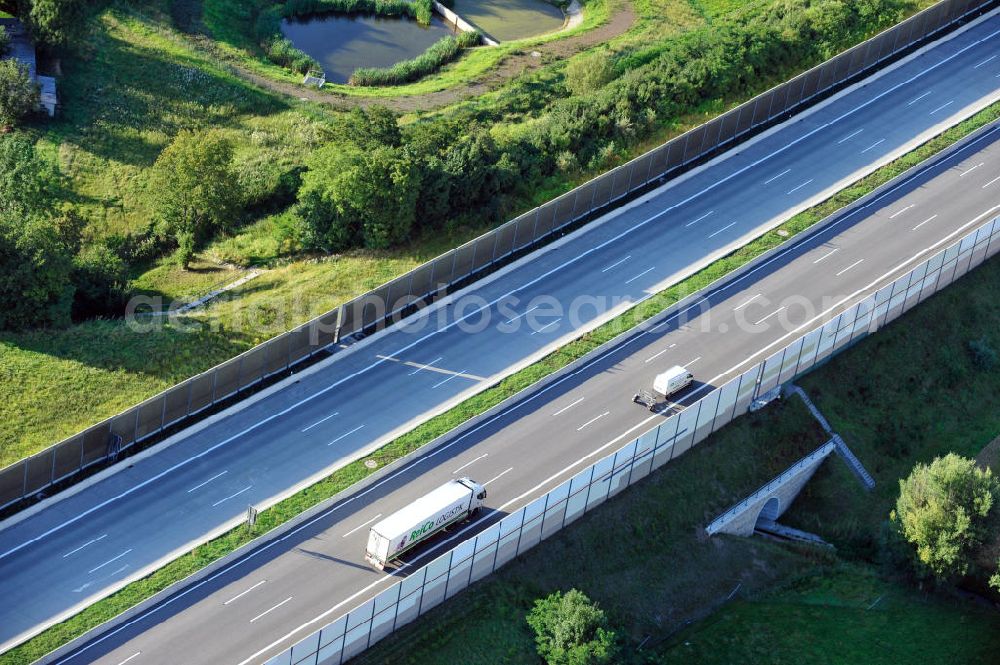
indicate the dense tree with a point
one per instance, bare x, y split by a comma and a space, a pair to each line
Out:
54, 22
27, 182
18, 92
195, 187
571, 630
351, 197
944, 512
36, 247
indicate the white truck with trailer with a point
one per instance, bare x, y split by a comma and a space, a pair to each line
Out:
453, 502
665, 384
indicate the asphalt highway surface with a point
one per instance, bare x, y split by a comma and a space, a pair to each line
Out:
81, 548
264, 603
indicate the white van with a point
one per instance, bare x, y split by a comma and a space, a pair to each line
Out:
674, 379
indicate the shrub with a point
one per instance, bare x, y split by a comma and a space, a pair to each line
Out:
4, 41
196, 187
589, 73
353, 197
101, 280
571, 630
18, 92
984, 356
436, 56
943, 511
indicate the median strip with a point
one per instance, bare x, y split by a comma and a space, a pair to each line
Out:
190, 563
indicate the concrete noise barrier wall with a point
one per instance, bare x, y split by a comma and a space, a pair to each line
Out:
482, 554
390, 302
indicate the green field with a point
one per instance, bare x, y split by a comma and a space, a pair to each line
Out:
906, 394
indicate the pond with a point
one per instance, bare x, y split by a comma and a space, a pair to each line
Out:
506, 20
341, 43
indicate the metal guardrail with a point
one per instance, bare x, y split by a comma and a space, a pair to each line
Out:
427, 282
482, 554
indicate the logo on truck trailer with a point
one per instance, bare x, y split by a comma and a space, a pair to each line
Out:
421, 531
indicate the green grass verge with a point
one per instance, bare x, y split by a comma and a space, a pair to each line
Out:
342, 479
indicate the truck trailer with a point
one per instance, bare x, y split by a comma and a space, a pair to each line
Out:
453, 502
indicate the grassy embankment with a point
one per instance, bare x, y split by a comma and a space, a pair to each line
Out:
282, 512
909, 393
59, 382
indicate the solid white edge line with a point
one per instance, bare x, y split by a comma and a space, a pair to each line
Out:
650, 219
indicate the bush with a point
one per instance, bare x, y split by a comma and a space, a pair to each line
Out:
984, 356
434, 58
589, 73
353, 197
101, 280
944, 512
18, 92
196, 187
571, 630
4, 41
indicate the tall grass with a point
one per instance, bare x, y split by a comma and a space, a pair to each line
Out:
439, 54
418, 9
